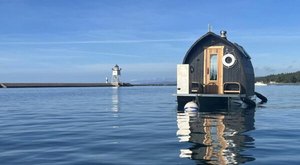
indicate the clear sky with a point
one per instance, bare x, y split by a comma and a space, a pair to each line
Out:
81, 40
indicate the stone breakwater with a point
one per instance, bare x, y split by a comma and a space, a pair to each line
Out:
49, 85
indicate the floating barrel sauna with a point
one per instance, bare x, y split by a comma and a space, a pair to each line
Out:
216, 72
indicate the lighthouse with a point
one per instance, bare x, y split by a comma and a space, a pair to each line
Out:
116, 73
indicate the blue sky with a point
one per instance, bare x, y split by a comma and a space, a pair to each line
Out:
81, 40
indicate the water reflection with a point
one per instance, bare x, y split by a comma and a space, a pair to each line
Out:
115, 108
216, 137
115, 100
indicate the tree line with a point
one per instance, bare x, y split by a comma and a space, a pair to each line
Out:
293, 77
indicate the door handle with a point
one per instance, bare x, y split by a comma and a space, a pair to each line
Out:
207, 71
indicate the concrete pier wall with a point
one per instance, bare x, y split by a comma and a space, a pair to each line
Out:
48, 85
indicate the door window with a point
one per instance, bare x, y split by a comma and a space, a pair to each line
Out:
213, 67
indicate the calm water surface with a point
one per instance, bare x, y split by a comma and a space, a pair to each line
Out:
141, 125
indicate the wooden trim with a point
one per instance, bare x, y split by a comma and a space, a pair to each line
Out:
220, 68
214, 47
237, 92
204, 66
219, 81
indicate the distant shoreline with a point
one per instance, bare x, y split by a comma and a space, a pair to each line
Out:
283, 83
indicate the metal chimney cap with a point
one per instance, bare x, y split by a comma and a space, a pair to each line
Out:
223, 33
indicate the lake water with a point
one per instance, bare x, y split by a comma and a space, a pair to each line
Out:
141, 125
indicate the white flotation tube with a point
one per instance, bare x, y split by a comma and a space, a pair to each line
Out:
191, 107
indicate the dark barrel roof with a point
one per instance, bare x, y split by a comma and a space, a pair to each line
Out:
234, 45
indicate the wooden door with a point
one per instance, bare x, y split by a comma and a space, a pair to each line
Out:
213, 70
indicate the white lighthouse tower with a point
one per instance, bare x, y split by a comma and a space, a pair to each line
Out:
116, 73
